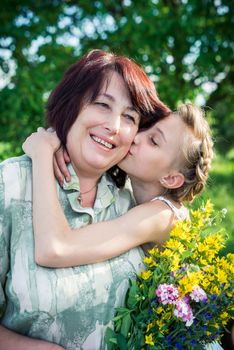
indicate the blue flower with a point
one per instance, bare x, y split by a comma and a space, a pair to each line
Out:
209, 316
168, 339
214, 306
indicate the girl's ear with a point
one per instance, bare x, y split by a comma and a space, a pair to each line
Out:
171, 181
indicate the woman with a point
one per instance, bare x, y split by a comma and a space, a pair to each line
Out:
172, 159
69, 308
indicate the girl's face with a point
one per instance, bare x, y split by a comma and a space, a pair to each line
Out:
104, 129
155, 153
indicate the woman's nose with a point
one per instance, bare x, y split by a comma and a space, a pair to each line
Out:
113, 124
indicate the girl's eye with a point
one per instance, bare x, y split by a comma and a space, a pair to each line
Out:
154, 142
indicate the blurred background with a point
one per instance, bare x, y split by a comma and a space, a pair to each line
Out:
185, 46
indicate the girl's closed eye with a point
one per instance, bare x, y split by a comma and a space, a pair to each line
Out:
154, 141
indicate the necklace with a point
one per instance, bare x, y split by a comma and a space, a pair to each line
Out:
79, 198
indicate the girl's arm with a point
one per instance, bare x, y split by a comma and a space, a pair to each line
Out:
11, 340
57, 245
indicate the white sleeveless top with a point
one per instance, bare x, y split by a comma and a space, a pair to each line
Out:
181, 213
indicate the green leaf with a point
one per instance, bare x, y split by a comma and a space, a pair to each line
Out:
110, 339
121, 341
126, 323
187, 254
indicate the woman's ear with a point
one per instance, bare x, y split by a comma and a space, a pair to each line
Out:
171, 181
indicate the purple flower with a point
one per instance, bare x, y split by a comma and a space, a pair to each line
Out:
167, 293
184, 311
198, 294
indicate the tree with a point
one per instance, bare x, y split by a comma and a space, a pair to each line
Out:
184, 45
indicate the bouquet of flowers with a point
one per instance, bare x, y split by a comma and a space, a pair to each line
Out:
184, 297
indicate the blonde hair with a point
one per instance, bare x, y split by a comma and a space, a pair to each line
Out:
197, 151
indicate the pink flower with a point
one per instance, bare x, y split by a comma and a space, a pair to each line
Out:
167, 294
184, 311
198, 294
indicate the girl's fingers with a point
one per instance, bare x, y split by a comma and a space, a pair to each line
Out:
57, 173
66, 156
40, 128
61, 163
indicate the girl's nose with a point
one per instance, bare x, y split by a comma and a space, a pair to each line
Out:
137, 139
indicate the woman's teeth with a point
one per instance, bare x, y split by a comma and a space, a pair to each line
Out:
102, 142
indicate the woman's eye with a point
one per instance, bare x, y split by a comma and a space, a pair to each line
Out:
102, 104
130, 117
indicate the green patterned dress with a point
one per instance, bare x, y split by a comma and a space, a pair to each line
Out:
69, 306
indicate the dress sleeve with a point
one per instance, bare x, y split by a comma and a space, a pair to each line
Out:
213, 346
4, 242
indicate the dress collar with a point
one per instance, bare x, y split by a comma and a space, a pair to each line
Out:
105, 192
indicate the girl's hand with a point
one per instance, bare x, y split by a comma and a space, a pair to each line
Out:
41, 142
60, 161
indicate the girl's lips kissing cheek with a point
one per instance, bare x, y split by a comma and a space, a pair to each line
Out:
104, 143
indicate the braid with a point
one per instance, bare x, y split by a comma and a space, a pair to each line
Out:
197, 151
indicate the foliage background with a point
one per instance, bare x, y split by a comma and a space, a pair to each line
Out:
186, 46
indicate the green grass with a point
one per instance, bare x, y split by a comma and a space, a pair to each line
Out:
220, 190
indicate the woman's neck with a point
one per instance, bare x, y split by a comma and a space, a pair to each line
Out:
144, 192
88, 187
88, 191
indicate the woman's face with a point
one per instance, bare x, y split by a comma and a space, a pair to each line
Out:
104, 129
156, 151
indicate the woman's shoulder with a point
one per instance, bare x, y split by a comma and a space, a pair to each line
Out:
15, 177
16, 162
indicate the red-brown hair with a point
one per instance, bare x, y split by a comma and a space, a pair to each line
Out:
83, 81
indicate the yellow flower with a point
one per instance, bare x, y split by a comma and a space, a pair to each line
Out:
154, 252
159, 310
175, 245
222, 276
210, 269
150, 261
160, 323
181, 230
203, 261
175, 263
214, 290
224, 315
190, 280
167, 253
214, 242
205, 283
149, 326
149, 339
146, 274
209, 208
